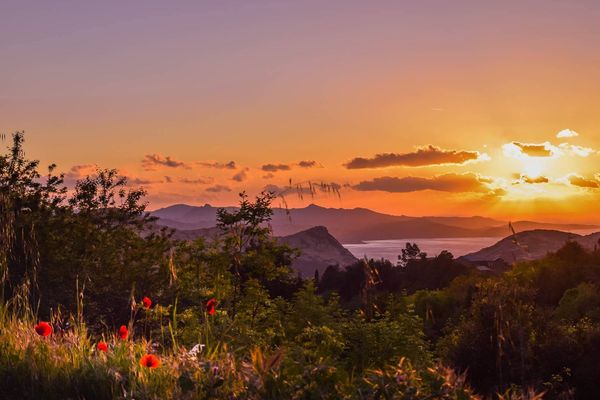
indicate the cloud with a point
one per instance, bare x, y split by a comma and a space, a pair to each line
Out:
268, 176
575, 150
140, 181
275, 167
423, 156
80, 171
531, 180
168, 179
218, 189
151, 161
218, 165
565, 133
580, 181
520, 150
455, 183
197, 181
241, 176
523, 151
308, 164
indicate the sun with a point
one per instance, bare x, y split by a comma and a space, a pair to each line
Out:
533, 167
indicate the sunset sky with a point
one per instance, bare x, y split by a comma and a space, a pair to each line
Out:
417, 108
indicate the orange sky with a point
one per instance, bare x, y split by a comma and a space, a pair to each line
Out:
483, 90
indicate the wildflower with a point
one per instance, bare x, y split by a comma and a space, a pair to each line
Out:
215, 370
43, 329
147, 302
149, 361
102, 346
210, 306
123, 332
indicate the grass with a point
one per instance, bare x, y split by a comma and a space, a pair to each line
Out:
68, 365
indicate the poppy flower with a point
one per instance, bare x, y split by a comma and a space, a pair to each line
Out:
123, 332
149, 361
102, 346
43, 329
147, 302
210, 306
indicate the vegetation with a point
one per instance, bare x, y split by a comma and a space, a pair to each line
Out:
98, 302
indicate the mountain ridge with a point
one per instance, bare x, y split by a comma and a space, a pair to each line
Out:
359, 224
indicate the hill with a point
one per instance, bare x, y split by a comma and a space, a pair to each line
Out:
319, 249
530, 245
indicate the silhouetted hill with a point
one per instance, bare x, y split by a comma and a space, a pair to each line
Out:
359, 224
319, 251
530, 245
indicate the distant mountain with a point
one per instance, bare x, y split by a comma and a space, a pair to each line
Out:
358, 224
530, 245
318, 248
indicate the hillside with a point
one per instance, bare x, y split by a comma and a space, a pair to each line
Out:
319, 249
531, 245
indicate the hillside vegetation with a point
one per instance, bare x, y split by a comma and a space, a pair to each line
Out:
97, 303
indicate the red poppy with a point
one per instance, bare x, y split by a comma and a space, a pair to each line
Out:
43, 329
102, 346
123, 332
149, 361
210, 306
147, 302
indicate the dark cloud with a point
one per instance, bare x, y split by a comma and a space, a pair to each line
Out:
429, 155
197, 181
268, 176
218, 189
240, 176
275, 167
446, 183
152, 161
218, 165
580, 181
308, 164
535, 150
532, 180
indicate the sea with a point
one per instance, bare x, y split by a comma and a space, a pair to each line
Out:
390, 249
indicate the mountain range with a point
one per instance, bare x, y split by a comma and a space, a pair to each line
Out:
358, 224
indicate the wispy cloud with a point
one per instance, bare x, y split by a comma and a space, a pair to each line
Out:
197, 181
218, 165
424, 156
218, 189
151, 162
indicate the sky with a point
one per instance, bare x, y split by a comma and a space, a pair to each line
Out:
415, 108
